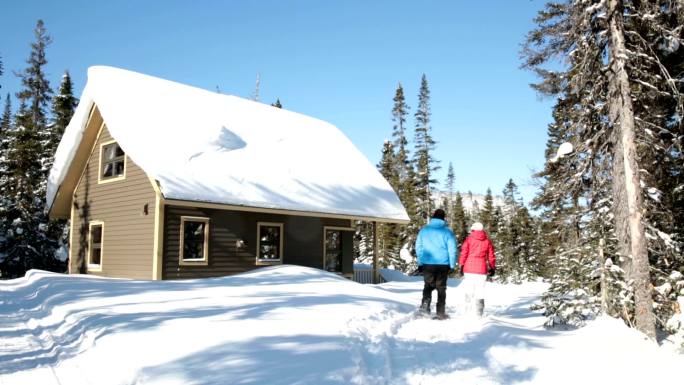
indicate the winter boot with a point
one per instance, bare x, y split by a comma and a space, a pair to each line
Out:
480, 307
468, 307
425, 306
441, 313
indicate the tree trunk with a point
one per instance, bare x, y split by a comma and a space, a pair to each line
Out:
629, 185
604, 279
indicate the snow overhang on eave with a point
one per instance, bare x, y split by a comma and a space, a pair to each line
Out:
270, 210
60, 205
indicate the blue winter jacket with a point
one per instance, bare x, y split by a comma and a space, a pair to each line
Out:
436, 244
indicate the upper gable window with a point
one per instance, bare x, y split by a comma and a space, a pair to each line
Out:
112, 162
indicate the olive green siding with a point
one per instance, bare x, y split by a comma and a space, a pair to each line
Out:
128, 237
302, 241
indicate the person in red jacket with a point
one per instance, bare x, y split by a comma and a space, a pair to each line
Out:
477, 261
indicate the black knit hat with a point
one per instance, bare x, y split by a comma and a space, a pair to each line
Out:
439, 214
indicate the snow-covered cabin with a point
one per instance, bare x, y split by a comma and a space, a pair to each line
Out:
162, 181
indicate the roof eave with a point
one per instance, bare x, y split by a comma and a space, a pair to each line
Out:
270, 210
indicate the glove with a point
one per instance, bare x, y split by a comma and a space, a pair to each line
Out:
491, 272
420, 268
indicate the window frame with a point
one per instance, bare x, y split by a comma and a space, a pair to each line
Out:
100, 178
281, 257
194, 261
91, 266
325, 241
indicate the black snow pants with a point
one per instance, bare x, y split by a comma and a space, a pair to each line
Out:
435, 277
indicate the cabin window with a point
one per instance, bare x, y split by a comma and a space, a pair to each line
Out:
194, 241
112, 162
269, 243
95, 242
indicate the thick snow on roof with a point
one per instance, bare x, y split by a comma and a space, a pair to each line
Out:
209, 147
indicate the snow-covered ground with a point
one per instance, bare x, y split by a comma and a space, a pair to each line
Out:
295, 325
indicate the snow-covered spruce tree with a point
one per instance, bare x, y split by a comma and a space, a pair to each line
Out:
569, 250
487, 213
620, 58
363, 242
405, 171
474, 211
424, 145
28, 243
513, 237
5, 126
63, 107
388, 233
653, 36
460, 222
448, 200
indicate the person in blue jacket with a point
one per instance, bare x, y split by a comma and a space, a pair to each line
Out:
436, 248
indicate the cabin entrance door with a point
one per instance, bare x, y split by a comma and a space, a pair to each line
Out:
338, 250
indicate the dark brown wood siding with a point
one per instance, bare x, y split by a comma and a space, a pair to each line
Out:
302, 241
128, 235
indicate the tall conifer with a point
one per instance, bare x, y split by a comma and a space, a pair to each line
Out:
621, 107
425, 163
28, 243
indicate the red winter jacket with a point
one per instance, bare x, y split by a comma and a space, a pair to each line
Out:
476, 253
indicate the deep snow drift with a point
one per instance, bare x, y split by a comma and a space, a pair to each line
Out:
295, 325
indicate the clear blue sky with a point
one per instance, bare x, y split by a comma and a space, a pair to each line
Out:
339, 61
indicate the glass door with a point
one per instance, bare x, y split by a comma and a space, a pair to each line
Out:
333, 251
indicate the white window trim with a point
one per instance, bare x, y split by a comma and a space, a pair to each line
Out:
260, 261
194, 261
99, 169
325, 239
91, 266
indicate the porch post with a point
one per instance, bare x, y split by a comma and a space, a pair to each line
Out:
376, 279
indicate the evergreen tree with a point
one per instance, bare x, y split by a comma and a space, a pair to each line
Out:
6, 118
363, 242
399, 112
514, 232
63, 107
2, 69
487, 213
405, 171
387, 165
5, 136
474, 208
425, 164
28, 243
622, 106
460, 219
388, 233
448, 202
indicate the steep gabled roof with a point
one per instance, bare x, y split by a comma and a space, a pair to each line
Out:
208, 147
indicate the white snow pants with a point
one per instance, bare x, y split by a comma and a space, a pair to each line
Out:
474, 285
473, 289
